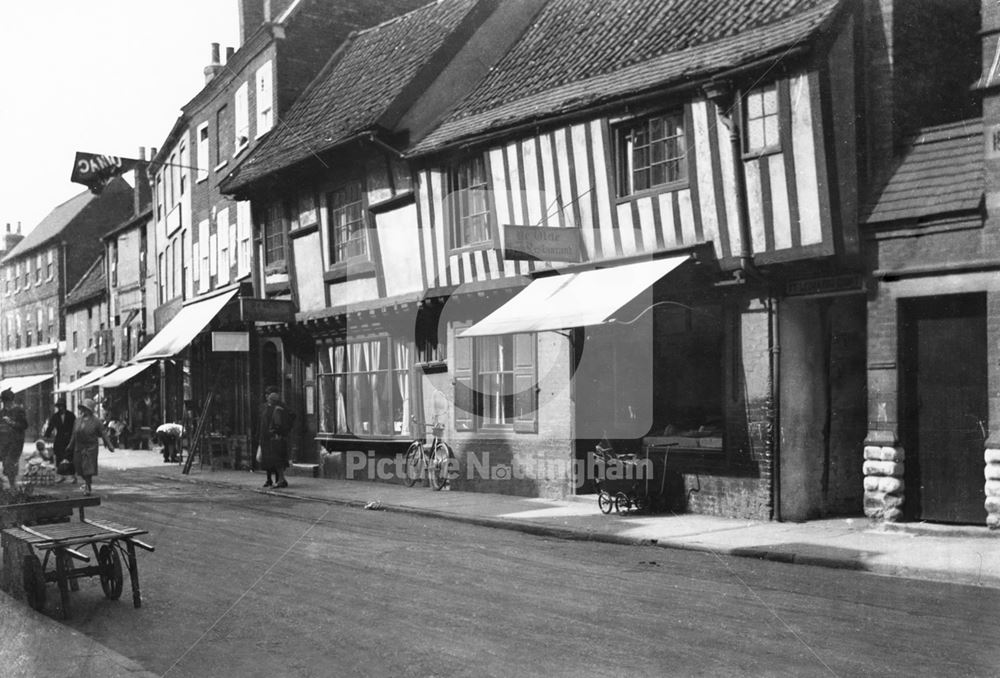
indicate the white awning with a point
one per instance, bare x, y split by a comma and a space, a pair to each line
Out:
123, 374
184, 327
18, 384
574, 299
87, 379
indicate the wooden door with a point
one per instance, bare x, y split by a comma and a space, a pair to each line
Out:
945, 421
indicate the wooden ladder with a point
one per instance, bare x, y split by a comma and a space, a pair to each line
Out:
196, 438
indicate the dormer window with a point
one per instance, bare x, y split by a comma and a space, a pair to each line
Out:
652, 153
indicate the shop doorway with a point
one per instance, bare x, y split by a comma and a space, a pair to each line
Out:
944, 406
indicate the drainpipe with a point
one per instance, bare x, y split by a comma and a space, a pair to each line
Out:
723, 95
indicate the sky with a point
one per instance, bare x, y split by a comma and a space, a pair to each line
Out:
103, 76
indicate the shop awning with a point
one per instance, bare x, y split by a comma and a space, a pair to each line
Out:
184, 327
123, 374
87, 379
574, 299
18, 384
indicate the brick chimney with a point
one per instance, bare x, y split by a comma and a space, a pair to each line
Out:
142, 194
214, 67
229, 54
11, 237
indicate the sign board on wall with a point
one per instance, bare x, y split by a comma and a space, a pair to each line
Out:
542, 243
231, 341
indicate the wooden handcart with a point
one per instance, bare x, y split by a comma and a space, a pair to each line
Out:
63, 543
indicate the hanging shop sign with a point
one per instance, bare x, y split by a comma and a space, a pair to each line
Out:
231, 341
95, 171
850, 283
542, 243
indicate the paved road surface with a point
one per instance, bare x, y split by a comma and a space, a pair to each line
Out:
253, 585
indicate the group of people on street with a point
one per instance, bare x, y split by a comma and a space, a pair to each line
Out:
76, 439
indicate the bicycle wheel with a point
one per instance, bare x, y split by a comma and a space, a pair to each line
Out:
413, 463
440, 466
605, 502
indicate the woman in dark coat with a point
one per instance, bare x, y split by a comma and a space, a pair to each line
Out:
274, 439
88, 432
60, 425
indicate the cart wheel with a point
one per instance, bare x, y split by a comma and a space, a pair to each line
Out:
622, 502
34, 581
110, 564
413, 462
605, 502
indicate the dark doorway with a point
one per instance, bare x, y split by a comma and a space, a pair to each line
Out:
944, 408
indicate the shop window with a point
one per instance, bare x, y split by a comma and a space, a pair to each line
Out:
347, 223
470, 222
651, 153
689, 375
495, 383
365, 388
760, 120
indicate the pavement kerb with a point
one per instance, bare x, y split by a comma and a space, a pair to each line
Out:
571, 534
29, 650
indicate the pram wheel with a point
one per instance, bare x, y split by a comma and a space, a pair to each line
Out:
605, 502
622, 502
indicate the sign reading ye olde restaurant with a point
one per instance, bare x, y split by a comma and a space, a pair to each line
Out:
539, 243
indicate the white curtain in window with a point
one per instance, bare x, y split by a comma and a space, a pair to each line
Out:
374, 362
341, 387
356, 355
402, 356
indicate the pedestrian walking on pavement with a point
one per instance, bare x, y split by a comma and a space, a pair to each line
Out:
59, 427
273, 427
13, 424
88, 432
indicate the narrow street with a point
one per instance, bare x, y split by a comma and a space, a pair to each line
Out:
255, 585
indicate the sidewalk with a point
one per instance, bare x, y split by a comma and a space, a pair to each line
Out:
33, 645
953, 554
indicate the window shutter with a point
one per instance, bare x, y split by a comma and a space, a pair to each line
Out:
462, 371
525, 384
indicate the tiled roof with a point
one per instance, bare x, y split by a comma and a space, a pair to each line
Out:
940, 171
59, 218
355, 89
91, 285
579, 53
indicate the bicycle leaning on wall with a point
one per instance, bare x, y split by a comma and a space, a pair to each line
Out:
428, 456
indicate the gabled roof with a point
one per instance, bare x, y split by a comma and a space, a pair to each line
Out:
90, 286
941, 170
53, 225
356, 89
580, 53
